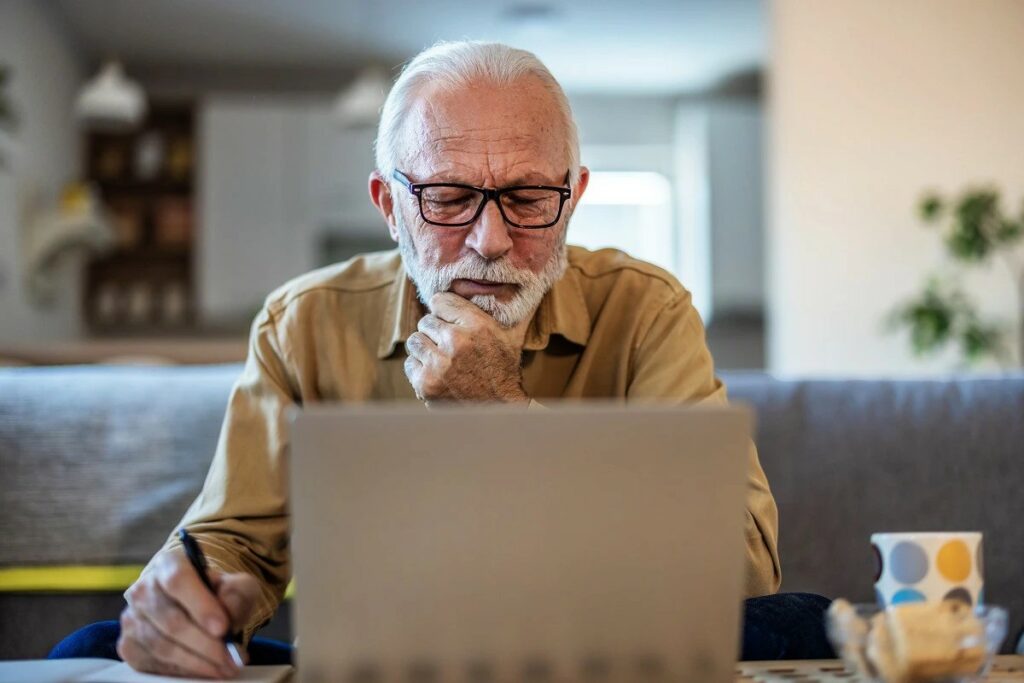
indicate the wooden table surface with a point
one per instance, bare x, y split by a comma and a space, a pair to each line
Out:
1006, 668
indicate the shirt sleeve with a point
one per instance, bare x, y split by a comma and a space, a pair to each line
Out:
240, 516
672, 361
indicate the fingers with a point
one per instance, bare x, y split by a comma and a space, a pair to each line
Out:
454, 309
181, 583
422, 348
239, 593
437, 330
171, 620
424, 369
413, 369
147, 601
145, 648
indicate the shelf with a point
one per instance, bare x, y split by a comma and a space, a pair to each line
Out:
135, 188
146, 286
147, 255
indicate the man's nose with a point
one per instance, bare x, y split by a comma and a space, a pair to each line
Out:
489, 236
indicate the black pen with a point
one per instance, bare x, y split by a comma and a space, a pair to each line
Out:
198, 559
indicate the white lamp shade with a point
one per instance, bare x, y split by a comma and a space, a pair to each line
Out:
110, 100
359, 104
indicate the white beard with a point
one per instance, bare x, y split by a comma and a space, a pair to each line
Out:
532, 287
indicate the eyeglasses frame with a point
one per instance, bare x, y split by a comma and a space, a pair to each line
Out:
489, 194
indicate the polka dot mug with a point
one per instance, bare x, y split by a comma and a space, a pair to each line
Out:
928, 567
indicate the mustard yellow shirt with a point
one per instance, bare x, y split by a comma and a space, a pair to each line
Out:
612, 327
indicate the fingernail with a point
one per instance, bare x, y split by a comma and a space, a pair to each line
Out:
215, 626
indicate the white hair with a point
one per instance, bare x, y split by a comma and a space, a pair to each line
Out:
458, 64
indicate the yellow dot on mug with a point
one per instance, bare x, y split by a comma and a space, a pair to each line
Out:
954, 561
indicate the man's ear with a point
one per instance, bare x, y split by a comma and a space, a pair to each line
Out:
581, 186
380, 195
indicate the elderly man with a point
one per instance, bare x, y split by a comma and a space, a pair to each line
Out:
477, 177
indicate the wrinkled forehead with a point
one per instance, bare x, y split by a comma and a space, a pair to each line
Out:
483, 131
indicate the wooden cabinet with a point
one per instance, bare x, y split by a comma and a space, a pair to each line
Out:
146, 180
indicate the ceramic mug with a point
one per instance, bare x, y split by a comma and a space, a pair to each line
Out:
928, 567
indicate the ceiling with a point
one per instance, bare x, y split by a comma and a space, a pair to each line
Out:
648, 46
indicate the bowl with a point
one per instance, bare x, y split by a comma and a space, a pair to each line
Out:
949, 641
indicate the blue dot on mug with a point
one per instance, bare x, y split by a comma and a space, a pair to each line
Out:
907, 595
908, 562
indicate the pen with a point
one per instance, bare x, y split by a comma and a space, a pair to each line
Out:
198, 560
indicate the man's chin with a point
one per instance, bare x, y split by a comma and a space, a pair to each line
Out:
500, 311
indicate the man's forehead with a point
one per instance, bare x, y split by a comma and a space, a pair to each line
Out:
475, 115
523, 166
457, 131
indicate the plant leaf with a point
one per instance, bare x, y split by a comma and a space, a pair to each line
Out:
930, 208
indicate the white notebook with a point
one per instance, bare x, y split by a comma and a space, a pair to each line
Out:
109, 671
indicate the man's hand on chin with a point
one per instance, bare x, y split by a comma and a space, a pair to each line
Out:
460, 353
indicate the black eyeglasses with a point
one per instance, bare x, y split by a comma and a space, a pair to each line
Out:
455, 205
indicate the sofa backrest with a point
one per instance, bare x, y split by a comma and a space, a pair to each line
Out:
848, 458
100, 463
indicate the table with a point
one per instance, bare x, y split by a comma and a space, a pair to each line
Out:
1006, 668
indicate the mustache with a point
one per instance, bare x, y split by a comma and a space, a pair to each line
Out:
475, 268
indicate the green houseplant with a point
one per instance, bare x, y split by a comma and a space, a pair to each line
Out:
975, 230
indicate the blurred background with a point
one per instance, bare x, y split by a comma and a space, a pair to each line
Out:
840, 184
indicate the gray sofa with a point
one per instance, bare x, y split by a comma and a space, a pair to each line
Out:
98, 464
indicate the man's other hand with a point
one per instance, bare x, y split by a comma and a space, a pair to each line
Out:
460, 353
174, 625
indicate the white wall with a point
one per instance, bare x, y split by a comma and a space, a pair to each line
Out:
622, 120
42, 156
871, 103
711, 150
736, 182
718, 161
276, 175
691, 159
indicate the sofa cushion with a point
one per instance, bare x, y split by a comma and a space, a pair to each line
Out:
99, 463
847, 458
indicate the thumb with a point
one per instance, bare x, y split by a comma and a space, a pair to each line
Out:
239, 593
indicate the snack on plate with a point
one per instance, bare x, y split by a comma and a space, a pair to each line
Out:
853, 633
881, 654
933, 640
911, 643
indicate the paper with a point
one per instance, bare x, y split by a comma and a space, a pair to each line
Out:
50, 671
108, 671
122, 673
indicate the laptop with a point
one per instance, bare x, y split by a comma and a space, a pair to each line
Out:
586, 542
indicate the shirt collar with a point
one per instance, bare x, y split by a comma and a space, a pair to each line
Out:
562, 311
401, 313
